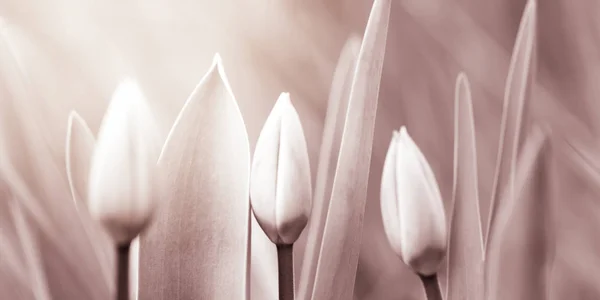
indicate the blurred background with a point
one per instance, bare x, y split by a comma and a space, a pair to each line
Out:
74, 52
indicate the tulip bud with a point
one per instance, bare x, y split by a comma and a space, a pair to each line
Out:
123, 184
411, 206
280, 185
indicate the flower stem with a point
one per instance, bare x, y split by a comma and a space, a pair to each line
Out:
285, 259
432, 288
123, 271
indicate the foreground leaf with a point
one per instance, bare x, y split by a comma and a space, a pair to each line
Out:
197, 246
338, 260
280, 185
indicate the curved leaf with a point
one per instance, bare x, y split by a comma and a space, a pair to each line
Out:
342, 236
465, 249
78, 156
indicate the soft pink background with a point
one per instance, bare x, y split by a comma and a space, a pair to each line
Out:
75, 52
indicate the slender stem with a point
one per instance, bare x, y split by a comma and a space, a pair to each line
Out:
285, 259
123, 271
432, 288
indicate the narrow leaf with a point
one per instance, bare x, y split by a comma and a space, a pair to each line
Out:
465, 251
31, 252
197, 246
78, 156
338, 260
516, 259
330, 144
518, 89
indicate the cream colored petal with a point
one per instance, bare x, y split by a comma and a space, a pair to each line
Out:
122, 185
263, 179
389, 197
294, 191
280, 182
421, 211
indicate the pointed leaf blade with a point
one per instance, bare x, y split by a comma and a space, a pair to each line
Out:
197, 246
78, 156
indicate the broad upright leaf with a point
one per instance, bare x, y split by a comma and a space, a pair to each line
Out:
516, 262
338, 259
78, 157
197, 246
328, 156
518, 89
465, 251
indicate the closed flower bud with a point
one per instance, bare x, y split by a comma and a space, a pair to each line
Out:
280, 185
411, 206
124, 184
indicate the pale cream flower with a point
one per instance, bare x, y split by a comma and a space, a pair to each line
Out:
123, 183
411, 206
280, 183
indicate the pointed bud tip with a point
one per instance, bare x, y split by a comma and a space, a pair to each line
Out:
127, 90
353, 44
284, 103
403, 132
217, 60
284, 99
